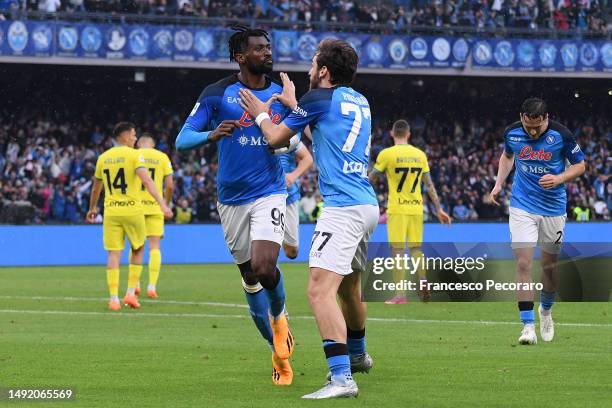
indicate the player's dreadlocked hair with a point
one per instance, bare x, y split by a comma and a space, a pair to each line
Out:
240, 39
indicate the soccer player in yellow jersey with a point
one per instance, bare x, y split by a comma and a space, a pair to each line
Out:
405, 167
160, 170
121, 171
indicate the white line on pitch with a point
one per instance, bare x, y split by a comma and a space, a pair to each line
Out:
209, 315
91, 299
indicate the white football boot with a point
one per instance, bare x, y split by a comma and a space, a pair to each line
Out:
528, 335
335, 389
547, 326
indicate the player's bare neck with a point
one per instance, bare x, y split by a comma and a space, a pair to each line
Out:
252, 81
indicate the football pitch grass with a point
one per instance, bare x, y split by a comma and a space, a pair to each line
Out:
197, 347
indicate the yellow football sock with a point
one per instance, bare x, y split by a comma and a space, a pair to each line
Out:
416, 253
112, 279
398, 276
154, 266
134, 275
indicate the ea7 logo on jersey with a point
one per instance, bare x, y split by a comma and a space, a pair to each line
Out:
576, 149
299, 111
195, 109
355, 167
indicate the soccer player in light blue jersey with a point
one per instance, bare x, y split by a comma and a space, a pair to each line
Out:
540, 149
295, 164
251, 186
340, 121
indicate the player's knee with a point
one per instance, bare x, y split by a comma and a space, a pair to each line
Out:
290, 251
247, 273
317, 293
264, 269
524, 264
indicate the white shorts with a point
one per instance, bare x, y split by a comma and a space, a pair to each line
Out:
292, 225
527, 230
340, 240
260, 220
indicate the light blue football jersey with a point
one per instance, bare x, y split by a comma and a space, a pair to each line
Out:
533, 159
247, 168
341, 126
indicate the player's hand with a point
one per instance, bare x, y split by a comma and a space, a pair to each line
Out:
252, 105
287, 98
444, 218
549, 181
494, 193
91, 216
225, 129
289, 180
168, 214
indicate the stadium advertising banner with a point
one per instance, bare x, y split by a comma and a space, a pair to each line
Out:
192, 44
543, 55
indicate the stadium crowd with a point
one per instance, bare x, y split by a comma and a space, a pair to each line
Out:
583, 15
46, 167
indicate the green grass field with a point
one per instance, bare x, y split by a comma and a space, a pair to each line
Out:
197, 346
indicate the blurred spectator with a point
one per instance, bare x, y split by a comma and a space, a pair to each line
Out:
183, 212
583, 15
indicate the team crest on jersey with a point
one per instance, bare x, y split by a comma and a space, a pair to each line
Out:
550, 139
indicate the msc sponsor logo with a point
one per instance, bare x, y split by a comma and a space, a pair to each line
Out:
535, 169
355, 167
252, 141
527, 153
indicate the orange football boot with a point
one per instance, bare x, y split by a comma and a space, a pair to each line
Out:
282, 337
114, 305
282, 374
131, 301
151, 293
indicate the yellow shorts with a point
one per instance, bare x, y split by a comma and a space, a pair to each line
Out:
155, 225
404, 227
116, 227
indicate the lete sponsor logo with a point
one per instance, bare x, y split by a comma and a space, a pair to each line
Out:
527, 153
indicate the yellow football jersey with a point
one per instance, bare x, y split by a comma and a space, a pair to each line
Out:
404, 166
116, 168
159, 166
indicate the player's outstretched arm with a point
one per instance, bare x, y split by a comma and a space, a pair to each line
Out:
549, 181
149, 184
96, 189
304, 162
276, 135
443, 217
506, 162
